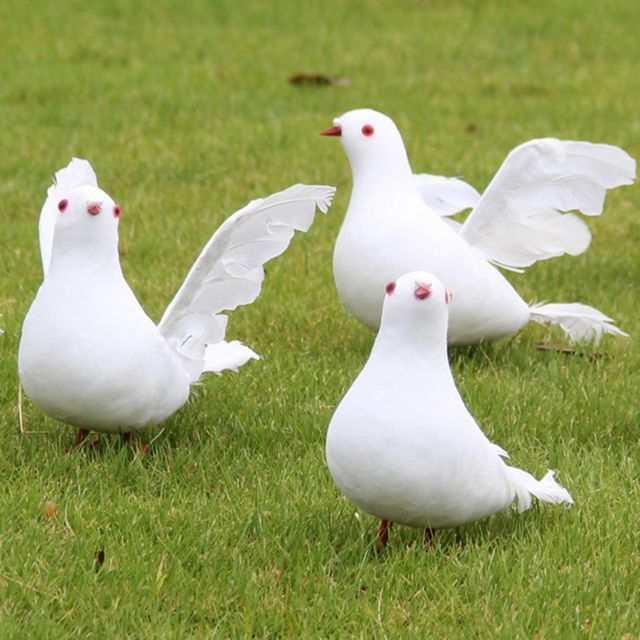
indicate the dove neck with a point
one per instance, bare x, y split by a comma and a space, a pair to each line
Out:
381, 174
413, 342
84, 253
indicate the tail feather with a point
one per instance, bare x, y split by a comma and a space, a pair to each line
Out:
580, 322
545, 489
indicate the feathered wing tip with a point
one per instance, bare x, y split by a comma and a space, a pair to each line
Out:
324, 197
545, 489
580, 322
78, 173
608, 165
229, 273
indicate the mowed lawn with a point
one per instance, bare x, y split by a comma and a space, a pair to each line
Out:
231, 525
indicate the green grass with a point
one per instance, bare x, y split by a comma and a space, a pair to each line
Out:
232, 526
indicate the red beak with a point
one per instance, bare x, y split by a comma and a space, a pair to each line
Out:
334, 131
422, 291
94, 208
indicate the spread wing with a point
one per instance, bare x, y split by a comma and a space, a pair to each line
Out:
446, 196
520, 218
229, 272
78, 173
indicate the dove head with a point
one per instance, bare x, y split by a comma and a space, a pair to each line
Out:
415, 309
373, 144
86, 226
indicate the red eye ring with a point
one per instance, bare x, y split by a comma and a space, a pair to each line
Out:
367, 130
391, 287
62, 205
117, 211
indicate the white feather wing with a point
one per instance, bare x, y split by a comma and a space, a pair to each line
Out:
446, 196
78, 173
229, 270
519, 218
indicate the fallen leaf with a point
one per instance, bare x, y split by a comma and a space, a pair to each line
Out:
98, 560
50, 509
318, 80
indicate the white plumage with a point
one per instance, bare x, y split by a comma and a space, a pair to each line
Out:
520, 218
402, 445
78, 173
446, 196
90, 356
398, 222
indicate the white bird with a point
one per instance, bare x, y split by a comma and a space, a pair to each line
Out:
89, 354
396, 222
402, 445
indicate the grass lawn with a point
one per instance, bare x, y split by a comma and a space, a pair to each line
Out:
231, 526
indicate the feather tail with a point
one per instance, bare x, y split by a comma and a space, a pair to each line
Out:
545, 489
580, 322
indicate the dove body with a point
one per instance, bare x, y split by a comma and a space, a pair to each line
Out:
402, 445
389, 229
89, 354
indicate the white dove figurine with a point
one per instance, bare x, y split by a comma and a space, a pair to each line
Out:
402, 445
395, 224
89, 354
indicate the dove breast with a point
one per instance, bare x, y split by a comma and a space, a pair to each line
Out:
90, 356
